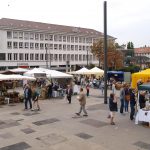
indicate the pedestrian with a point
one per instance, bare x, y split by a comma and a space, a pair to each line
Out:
127, 97
27, 96
87, 89
82, 101
69, 93
122, 98
114, 87
102, 87
50, 90
35, 99
132, 104
113, 107
142, 101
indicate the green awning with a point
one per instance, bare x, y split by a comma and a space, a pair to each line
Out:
144, 87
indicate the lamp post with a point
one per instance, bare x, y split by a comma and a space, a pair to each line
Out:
49, 59
105, 51
46, 57
87, 58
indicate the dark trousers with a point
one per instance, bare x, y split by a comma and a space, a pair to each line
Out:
132, 112
28, 100
122, 105
69, 98
87, 92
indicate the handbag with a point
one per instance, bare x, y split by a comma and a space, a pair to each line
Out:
127, 97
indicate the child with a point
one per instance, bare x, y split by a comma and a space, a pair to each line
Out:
112, 107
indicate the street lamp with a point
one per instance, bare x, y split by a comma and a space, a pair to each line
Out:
46, 57
49, 59
87, 58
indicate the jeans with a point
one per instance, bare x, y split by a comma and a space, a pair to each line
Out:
82, 107
126, 105
28, 100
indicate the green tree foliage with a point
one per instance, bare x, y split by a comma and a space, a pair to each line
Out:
130, 45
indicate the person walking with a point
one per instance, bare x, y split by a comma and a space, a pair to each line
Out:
35, 99
127, 97
113, 107
27, 96
87, 89
122, 98
82, 101
132, 104
69, 93
102, 87
50, 90
142, 101
114, 87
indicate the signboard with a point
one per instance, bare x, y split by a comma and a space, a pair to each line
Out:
23, 65
127, 77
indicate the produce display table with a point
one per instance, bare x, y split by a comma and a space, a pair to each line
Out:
142, 115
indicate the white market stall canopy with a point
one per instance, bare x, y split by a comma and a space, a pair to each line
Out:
96, 70
36, 72
15, 77
82, 71
55, 74
19, 70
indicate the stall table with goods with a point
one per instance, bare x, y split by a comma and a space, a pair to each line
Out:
144, 113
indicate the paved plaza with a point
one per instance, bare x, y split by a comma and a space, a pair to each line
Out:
56, 127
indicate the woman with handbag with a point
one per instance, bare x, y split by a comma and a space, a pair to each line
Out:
127, 98
35, 99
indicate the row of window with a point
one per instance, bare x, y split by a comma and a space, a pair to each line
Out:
53, 57
48, 37
27, 45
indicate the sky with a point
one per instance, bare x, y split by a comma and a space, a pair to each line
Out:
128, 20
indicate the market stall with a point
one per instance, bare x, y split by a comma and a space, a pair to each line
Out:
96, 71
143, 114
143, 75
82, 71
13, 96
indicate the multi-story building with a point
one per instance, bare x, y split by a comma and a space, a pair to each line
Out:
35, 44
143, 56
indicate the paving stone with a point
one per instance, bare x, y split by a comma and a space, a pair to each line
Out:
9, 123
19, 119
142, 145
46, 121
11, 105
94, 123
52, 139
84, 135
17, 146
2, 122
31, 114
28, 130
98, 107
15, 113
6, 136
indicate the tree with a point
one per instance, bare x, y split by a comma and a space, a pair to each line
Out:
130, 45
114, 57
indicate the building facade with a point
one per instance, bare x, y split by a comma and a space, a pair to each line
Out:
35, 44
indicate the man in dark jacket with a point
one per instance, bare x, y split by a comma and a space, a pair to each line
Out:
27, 96
69, 92
132, 104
